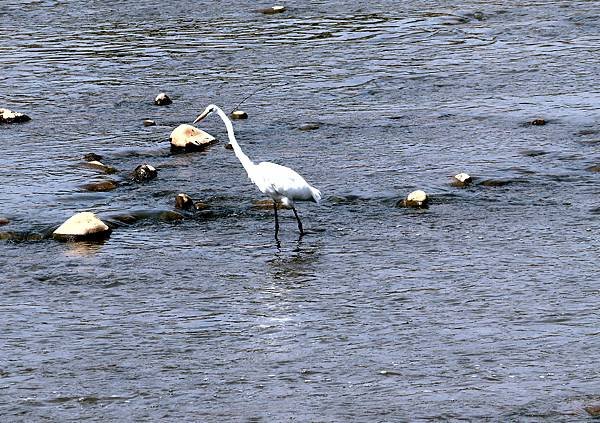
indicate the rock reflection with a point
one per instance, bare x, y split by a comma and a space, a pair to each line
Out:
83, 248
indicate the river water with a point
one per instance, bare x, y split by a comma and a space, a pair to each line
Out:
482, 307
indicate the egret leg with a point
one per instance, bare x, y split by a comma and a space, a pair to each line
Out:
276, 221
299, 222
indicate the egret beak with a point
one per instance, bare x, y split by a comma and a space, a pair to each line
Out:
202, 116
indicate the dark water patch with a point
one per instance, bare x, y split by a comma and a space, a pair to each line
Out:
346, 199
588, 132
500, 182
534, 153
562, 177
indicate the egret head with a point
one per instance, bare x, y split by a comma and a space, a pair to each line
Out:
209, 109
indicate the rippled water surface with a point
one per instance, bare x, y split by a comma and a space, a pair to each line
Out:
482, 307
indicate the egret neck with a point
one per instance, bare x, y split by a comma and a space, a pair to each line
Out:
245, 160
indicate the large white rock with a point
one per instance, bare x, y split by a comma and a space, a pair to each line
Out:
189, 137
80, 226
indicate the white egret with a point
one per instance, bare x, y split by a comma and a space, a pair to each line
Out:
280, 183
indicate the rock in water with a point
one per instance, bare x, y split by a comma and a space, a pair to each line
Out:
92, 157
417, 199
184, 202
162, 100
538, 122
82, 226
309, 127
102, 186
272, 10
170, 216
4, 221
462, 180
189, 138
8, 116
144, 173
95, 164
267, 205
594, 168
239, 114
593, 410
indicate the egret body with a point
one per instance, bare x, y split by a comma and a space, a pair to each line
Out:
280, 183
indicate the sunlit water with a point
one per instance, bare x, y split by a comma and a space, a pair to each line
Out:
482, 307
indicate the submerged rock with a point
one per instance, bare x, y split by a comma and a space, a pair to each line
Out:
239, 114
184, 202
143, 173
593, 410
594, 168
82, 226
538, 122
8, 116
162, 100
101, 186
199, 205
416, 199
20, 236
149, 122
266, 205
126, 218
92, 157
272, 10
189, 138
95, 164
533, 153
461, 180
170, 216
4, 221
496, 182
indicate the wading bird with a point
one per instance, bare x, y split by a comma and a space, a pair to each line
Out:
280, 183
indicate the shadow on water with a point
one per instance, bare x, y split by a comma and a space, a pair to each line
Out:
294, 262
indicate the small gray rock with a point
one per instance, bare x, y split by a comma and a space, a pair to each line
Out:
239, 114
144, 173
162, 100
462, 180
272, 10
309, 127
95, 164
184, 202
91, 157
